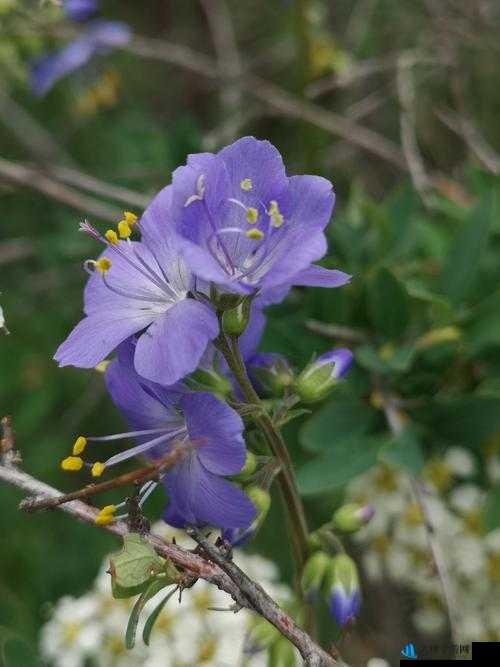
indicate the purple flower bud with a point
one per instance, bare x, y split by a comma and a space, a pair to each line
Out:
314, 573
322, 374
270, 372
345, 596
351, 517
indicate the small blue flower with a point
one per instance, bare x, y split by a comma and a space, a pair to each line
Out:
322, 374
80, 10
98, 39
345, 595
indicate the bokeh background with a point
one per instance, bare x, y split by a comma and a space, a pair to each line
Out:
397, 103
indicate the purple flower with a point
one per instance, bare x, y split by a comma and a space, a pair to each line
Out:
322, 374
146, 290
99, 38
159, 418
80, 10
246, 226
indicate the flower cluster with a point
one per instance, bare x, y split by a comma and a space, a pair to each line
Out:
395, 546
97, 37
90, 628
231, 235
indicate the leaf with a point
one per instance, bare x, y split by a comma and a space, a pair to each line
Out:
398, 360
134, 566
483, 328
336, 421
492, 509
149, 625
404, 451
348, 459
462, 265
154, 587
388, 304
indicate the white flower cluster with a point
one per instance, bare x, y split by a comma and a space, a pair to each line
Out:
90, 630
395, 546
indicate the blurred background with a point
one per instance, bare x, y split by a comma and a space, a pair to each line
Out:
397, 103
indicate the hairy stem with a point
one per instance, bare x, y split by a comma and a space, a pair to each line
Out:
286, 478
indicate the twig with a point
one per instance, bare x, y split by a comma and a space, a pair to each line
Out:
336, 331
396, 421
475, 141
192, 563
272, 96
312, 654
141, 475
36, 180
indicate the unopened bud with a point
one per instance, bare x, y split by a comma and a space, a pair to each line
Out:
345, 594
249, 467
351, 517
271, 373
262, 502
235, 320
322, 374
209, 379
313, 574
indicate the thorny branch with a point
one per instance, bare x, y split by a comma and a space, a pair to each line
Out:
246, 593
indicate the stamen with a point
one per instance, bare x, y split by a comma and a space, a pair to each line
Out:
200, 191
111, 236
124, 229
103, 265
274, 213
252, 215
106, 515
72, 464
246, 184
130, 218
129, 434
138, 449
79, 446
97, 469
254, 234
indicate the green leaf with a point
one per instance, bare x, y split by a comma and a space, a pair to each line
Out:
387, 304
134, 566
153, 588
334, 422
462, 265
398, 360
149, 625
404, 451
346, 460
492, 509
483, 327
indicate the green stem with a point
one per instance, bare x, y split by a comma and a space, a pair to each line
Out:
286, 478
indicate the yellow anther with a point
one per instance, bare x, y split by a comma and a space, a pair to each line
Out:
274, 213
111, 236
246, 184
103, 264
79, 446
72, 464
129, 217
252, 215
124, 229
273, 207
105, 516
102, 365
97, 469
254, 234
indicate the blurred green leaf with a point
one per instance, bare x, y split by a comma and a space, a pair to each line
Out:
347, 459
336, 421
404, 451
153, 588
491, 515
387, 304
463, 263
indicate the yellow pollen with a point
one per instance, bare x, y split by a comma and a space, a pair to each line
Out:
254, 234
246, 184
72, 464
124, 229
273, 207
277, 220
105, 516
130, 218
252, 215
97, 469
103, 264
111, 236
79, 446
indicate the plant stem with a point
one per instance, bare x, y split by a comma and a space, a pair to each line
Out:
286, 478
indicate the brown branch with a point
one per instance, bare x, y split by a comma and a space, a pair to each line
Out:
141, 475
312, 654
252, 598
272, 96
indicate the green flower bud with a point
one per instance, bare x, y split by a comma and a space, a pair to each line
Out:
235, 320
249, 467
260, 498
314, 572
351, 517
271, 373
320, 376
208, 379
